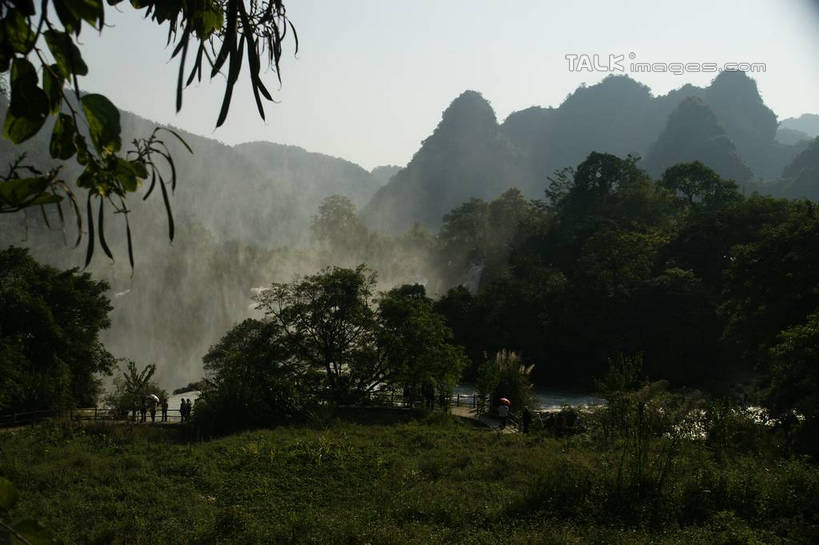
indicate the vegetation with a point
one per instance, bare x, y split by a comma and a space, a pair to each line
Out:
660, 280
219, 32
51, 355
506, 376
325, 339
131, 387
372, 477
705, 283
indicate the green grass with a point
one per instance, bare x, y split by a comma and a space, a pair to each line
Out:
386, 478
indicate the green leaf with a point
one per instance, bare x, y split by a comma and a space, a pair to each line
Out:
65, 53
83, 157
103, 123
73, 12
62, 139
91, 11
29, 104
53, 87
8, 494
178, 137
208, 20
128, 172
16, 32
87, 179
18, 191
46, 198
70, 20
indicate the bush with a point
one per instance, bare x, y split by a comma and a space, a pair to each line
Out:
506, 376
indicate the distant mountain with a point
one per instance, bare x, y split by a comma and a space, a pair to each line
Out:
383, 173
693, 133
466, 156
800, 179
261, 193
790, 137
806, 123
617, 115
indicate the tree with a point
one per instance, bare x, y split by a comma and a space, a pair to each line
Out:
329, 323
337, 229
50, 351
415, 341
507, 376
218, 31
771, 279
132, 385
696, 183
793, 378
253, 379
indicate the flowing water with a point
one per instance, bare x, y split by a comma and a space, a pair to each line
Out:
549, 400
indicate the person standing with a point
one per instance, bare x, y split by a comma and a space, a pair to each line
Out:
503, 414
153, 411
182, 406
164, 409
143, 409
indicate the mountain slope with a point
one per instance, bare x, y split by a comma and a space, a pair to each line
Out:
694, 134
466, 156
617, 116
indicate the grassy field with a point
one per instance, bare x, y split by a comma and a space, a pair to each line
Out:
395, 478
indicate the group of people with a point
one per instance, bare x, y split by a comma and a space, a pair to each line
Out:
149, 405
185, 410
503, 409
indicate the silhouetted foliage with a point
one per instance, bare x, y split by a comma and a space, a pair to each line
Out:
50, 350
220, 33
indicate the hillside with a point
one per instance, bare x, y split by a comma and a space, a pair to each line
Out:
618, 116
466, 156
184, 295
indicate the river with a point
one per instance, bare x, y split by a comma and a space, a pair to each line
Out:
548, 400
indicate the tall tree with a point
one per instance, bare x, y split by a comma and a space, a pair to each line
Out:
329, 321
415, 341
50, 348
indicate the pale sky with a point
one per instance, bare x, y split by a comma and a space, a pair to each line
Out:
373, 76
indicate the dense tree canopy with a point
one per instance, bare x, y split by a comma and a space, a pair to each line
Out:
50, 351
706, 283
333, 323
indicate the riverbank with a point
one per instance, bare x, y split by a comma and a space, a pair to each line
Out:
394, 477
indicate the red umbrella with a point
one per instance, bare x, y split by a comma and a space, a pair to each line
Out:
504, 401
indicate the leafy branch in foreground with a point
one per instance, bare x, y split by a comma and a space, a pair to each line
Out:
221, 32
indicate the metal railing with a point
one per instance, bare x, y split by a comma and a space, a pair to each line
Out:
93, 414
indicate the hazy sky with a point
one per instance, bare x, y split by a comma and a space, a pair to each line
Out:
373, 76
